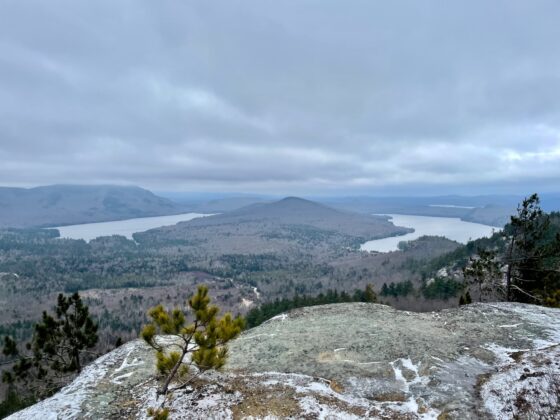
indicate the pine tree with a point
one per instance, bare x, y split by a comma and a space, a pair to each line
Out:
56, 350
384, 290
483, 271
118, 342
205, 338
531, 260
369, 294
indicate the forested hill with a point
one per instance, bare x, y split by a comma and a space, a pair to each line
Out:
287, 210
268, 226
57, 205
298, 211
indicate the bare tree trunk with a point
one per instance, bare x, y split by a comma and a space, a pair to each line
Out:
508, 283
172, 374
508, 272
77, 361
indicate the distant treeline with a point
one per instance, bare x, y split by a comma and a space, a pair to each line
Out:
438, 288
403, 288
264, 312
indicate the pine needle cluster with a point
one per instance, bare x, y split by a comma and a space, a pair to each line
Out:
189, 348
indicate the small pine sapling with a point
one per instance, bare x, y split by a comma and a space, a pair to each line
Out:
204, 339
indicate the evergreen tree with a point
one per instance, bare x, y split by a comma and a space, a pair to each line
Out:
369, 294
465, 299
205, 339
56, 350
384, 290
13, 402
531, 258
483, 271
441, 288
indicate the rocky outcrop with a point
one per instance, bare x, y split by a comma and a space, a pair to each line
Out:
348, 360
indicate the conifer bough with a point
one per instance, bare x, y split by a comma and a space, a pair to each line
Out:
204, 339
56, 350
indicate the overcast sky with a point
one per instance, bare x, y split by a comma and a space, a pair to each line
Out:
282, 96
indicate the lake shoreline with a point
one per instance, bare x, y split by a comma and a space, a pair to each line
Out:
126, 227
452, 228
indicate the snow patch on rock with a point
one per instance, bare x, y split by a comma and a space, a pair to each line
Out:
68, 402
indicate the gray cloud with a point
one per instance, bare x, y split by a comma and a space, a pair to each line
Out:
282, 96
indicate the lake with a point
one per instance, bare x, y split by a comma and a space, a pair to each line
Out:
89, 231
450, 227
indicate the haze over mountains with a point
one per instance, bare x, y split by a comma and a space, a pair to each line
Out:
493, 210
56, 205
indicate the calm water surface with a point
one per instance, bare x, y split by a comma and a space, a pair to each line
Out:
89, 231
450, 227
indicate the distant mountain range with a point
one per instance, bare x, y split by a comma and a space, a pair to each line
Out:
223, 205
493, 210
58, 205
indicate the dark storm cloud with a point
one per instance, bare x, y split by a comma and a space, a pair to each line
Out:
263, 95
